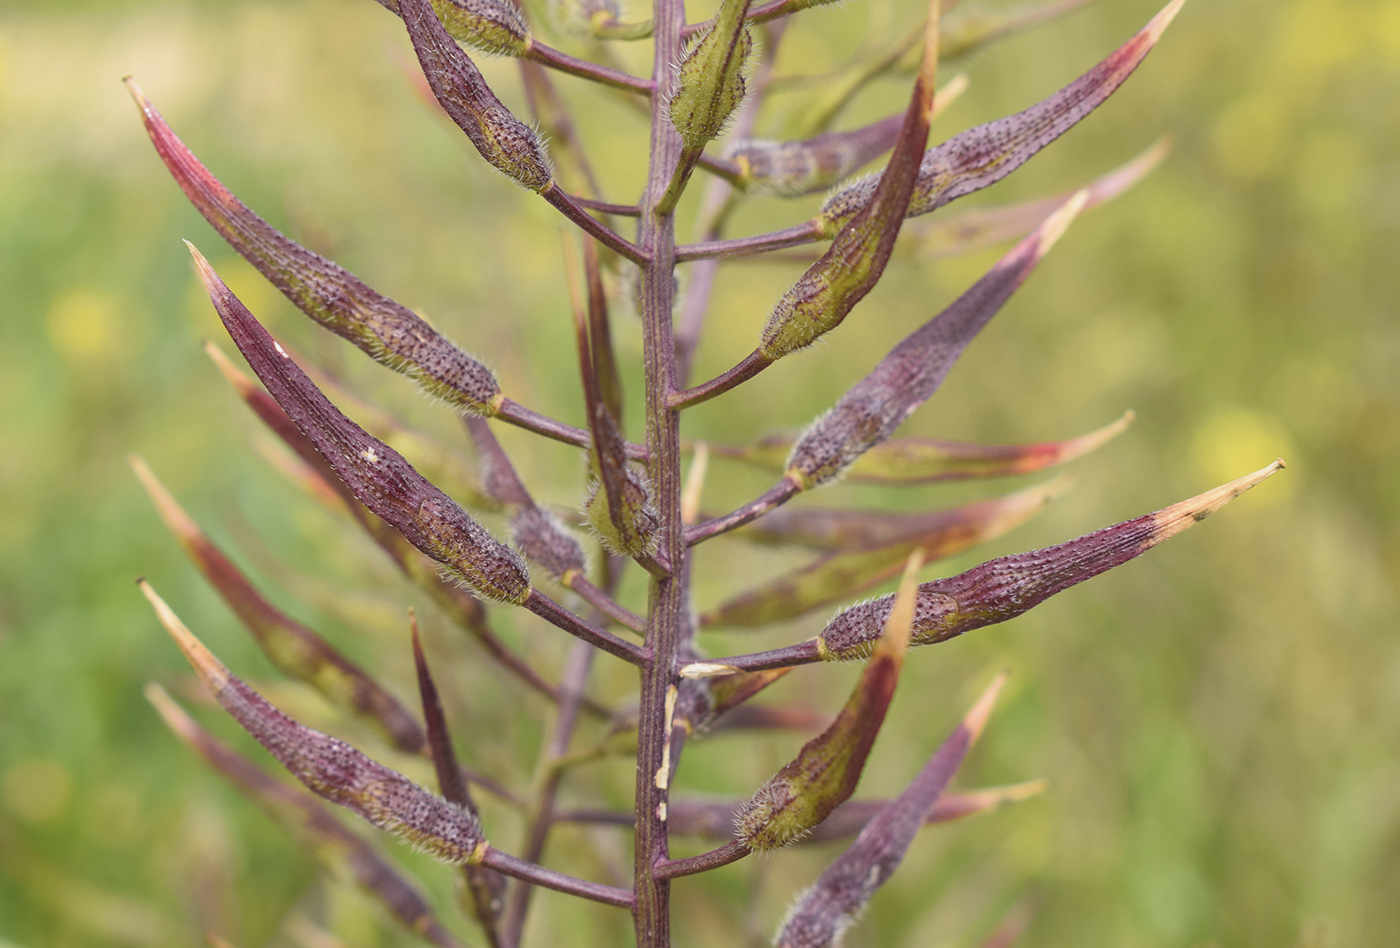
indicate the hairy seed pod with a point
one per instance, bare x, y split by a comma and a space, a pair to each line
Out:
329, 767
710, 84
508, 144
291, 646
1007, 586
825, 772
337, 848
879, 403
795, 168
825, 911
377, 475
389, 333
982, 156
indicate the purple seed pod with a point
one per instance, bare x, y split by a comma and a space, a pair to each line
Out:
795, 168
290, 646
329, 767
864, 561
335, 846
508, 144
332, 296
878, 404
824, 912
982, 156
376, 474
1007, 586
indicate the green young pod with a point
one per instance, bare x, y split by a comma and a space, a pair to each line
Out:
375, 473
492, 26
982, 156
389, 333
331, 768
337, 848
1008, 586
508, 144
710, 81
849, 269
825, 772
291, 646
826, 910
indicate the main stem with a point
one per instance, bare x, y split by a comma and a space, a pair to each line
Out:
668, 607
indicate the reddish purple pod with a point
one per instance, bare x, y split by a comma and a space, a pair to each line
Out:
982, 156
378, 475
825, 911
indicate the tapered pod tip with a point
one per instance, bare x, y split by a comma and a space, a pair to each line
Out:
976, 719
1178, 517
900, 625
707, 670
1159, 23
137, 95
209, 668
174, 716
1056, 224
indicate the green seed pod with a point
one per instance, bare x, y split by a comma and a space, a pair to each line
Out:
493, 26
710, 84
825, 772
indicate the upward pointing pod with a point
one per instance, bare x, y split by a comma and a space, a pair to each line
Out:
711, 81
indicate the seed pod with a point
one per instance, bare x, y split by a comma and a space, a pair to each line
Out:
336, 847
904, 461
982, 156
1007, 586
492, 26
389, 333
618, 506
982, 227
508, 144
878, 404
331, 768
710, 81
827, 769
291, 646
376, 474
847, 571
538, 535
825, 911
794, 168
856, 259
486, 885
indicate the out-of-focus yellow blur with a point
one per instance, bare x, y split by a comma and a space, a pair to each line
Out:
1219, 721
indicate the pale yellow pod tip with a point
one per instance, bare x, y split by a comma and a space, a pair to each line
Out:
209, 668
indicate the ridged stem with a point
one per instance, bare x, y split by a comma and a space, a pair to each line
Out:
668, 600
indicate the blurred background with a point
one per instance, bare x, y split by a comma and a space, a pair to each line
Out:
1219, 722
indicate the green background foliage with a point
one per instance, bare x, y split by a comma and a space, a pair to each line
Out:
1219, 722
